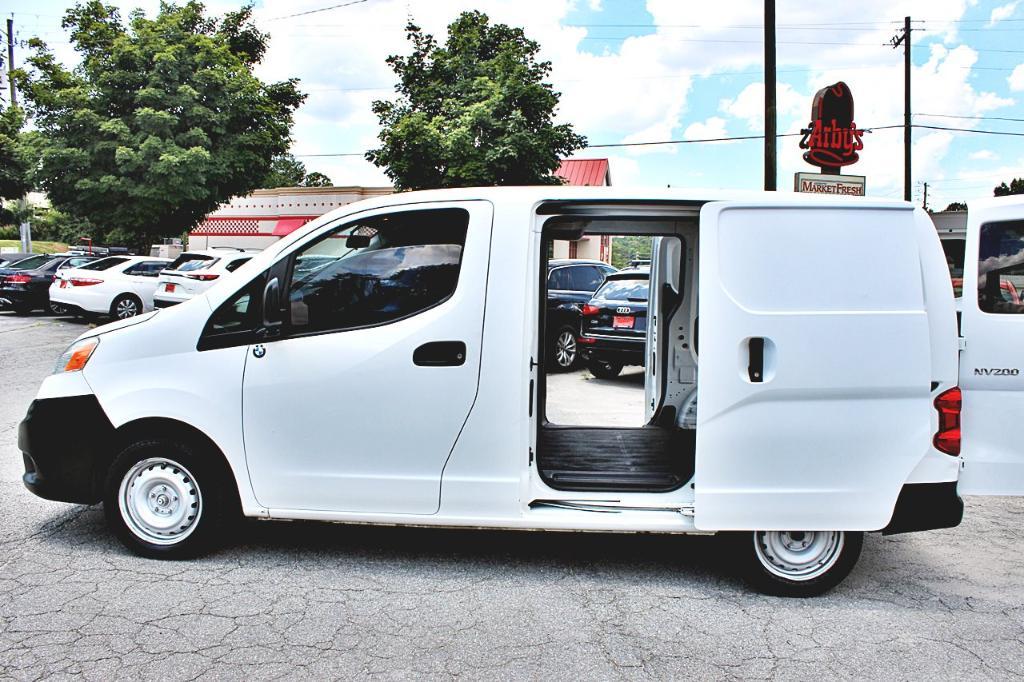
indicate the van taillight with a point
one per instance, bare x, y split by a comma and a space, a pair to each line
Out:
590, 309
947, 439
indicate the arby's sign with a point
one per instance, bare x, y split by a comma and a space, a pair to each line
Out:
832, 138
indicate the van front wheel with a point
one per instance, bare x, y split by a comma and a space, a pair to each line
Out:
163, 501
798, 563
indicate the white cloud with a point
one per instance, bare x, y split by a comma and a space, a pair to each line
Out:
1002, 12
713, 127
1016, 79
749, 104
983, 155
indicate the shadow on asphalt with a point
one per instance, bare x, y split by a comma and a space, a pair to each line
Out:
654, 557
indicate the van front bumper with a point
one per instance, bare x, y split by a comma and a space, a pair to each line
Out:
65, 444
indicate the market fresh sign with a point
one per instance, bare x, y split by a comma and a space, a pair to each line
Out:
832, 139
816, 183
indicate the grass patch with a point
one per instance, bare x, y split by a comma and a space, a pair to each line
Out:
37, 247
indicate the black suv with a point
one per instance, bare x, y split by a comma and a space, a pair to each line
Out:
571, 283
25, 284
613, 324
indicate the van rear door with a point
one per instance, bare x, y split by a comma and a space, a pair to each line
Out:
814, 393
992, 359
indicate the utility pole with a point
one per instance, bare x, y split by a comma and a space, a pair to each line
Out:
924, 204
10, 58
770, 122
904, 40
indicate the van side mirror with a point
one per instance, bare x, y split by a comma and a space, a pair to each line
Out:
272, 317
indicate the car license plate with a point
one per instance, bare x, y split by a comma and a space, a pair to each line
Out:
622, 321
169, 288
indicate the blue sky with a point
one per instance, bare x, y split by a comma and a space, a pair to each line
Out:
636, 71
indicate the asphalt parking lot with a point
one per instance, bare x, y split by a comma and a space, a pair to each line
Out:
304, 600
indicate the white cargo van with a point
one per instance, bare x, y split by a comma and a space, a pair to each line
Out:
384, 364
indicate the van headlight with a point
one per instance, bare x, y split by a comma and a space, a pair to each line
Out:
76, 356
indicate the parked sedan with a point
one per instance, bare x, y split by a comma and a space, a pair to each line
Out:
193, 272
119, 286
613, 325
24, 285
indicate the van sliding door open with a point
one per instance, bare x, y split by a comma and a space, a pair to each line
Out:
814, 368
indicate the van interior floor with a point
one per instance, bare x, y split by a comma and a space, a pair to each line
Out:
645, 459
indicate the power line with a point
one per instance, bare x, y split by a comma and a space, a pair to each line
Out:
322, 9
650, 143
974, 118
969, 130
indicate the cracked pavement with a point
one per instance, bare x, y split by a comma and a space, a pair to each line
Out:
307, 600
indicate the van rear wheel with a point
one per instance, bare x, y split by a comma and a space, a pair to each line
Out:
798, 563
165, 500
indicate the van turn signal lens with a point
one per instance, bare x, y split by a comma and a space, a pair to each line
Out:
76, 356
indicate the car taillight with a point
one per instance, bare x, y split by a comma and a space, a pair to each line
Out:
84, 281
590, 309
19, 279
947, 439
202, 277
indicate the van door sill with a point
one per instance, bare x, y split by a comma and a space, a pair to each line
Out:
609, 507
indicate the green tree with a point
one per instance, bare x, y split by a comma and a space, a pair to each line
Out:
13, 162
161, 121
1016, 186
626, 248
475, 111
287, 171
956, 206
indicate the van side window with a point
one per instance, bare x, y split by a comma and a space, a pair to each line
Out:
377, 270
1001, 268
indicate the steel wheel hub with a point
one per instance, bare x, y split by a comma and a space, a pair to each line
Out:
798, 555
565, 349
160, 501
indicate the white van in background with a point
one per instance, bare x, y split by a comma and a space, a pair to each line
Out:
385, 364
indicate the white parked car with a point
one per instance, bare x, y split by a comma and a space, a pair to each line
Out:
397, 377
193, 272
119, 286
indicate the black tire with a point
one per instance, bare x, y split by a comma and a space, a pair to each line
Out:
564, 354
602, 369
21, 309
125, 306
196, 518
57, 308
754, 554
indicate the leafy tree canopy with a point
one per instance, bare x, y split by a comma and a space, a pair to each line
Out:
956, 206
162, 120
13, 163
287, 171
475, 111
1016, 186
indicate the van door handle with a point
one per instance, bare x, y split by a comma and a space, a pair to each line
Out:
440, 354
755, 368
